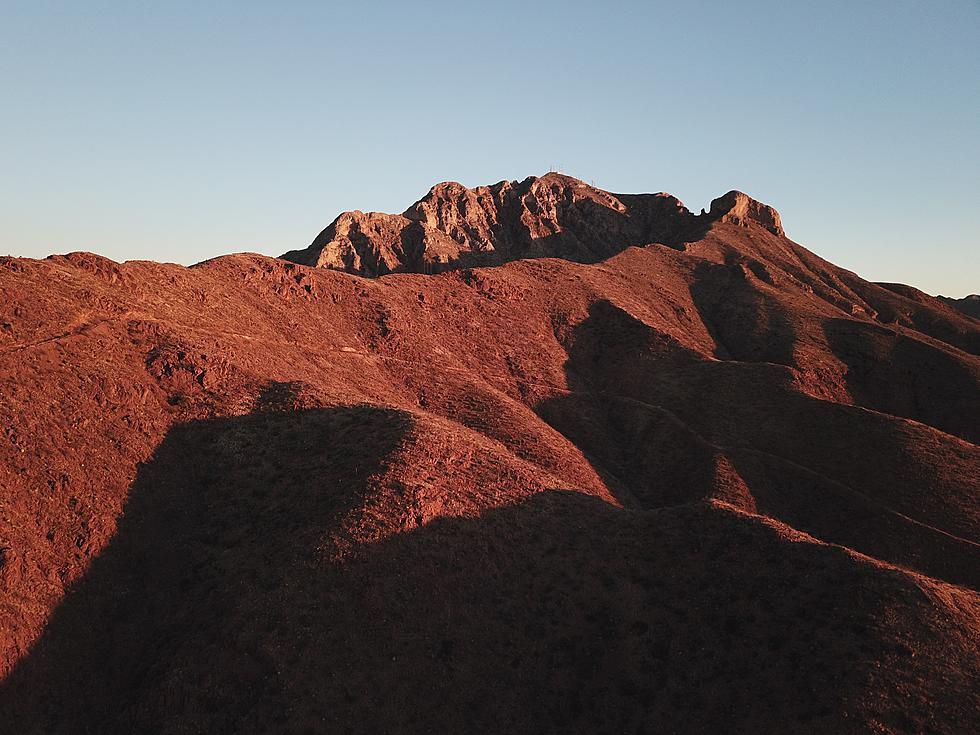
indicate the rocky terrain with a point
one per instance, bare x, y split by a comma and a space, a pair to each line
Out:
543, 459
549, 216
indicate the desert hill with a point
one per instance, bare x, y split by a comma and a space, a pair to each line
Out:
575, 460
969, 305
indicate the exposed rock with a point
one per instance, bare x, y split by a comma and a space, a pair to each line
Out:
741, 209
373, 243
454, 226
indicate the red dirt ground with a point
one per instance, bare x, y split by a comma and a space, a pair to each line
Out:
705, 483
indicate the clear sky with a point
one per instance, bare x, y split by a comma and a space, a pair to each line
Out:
179, 131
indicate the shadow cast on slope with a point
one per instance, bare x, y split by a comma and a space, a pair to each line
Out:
648, 457
221, 525
663, 426
897, 374
745, 323
560, 613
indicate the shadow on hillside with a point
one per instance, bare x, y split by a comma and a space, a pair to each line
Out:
745, 324
219, 607
662, 426
647, 457
903, 376
212, 611
220, 524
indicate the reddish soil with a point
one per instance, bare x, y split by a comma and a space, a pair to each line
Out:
688, 478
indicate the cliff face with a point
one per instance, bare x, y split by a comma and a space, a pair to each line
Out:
453, 226
741, 209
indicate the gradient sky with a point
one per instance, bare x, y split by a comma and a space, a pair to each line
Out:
180, 131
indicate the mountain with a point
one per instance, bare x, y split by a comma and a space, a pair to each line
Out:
548, 216
580, 461
969, 305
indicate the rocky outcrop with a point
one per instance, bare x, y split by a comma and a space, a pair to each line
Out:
741, 209
540, 217
374, 243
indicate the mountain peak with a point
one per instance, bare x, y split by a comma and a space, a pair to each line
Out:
554, 215
739, 208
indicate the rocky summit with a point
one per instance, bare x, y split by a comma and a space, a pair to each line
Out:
552, 216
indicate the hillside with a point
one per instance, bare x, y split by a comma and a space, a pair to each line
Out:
969, 305
575, 460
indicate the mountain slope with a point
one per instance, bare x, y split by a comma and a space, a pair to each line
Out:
284, 487
969, 305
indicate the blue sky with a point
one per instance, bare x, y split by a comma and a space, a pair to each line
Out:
179, 131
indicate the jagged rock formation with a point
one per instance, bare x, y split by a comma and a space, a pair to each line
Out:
741, 209
715, 484
553, 216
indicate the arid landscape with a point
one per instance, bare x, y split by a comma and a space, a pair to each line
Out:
528, 457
